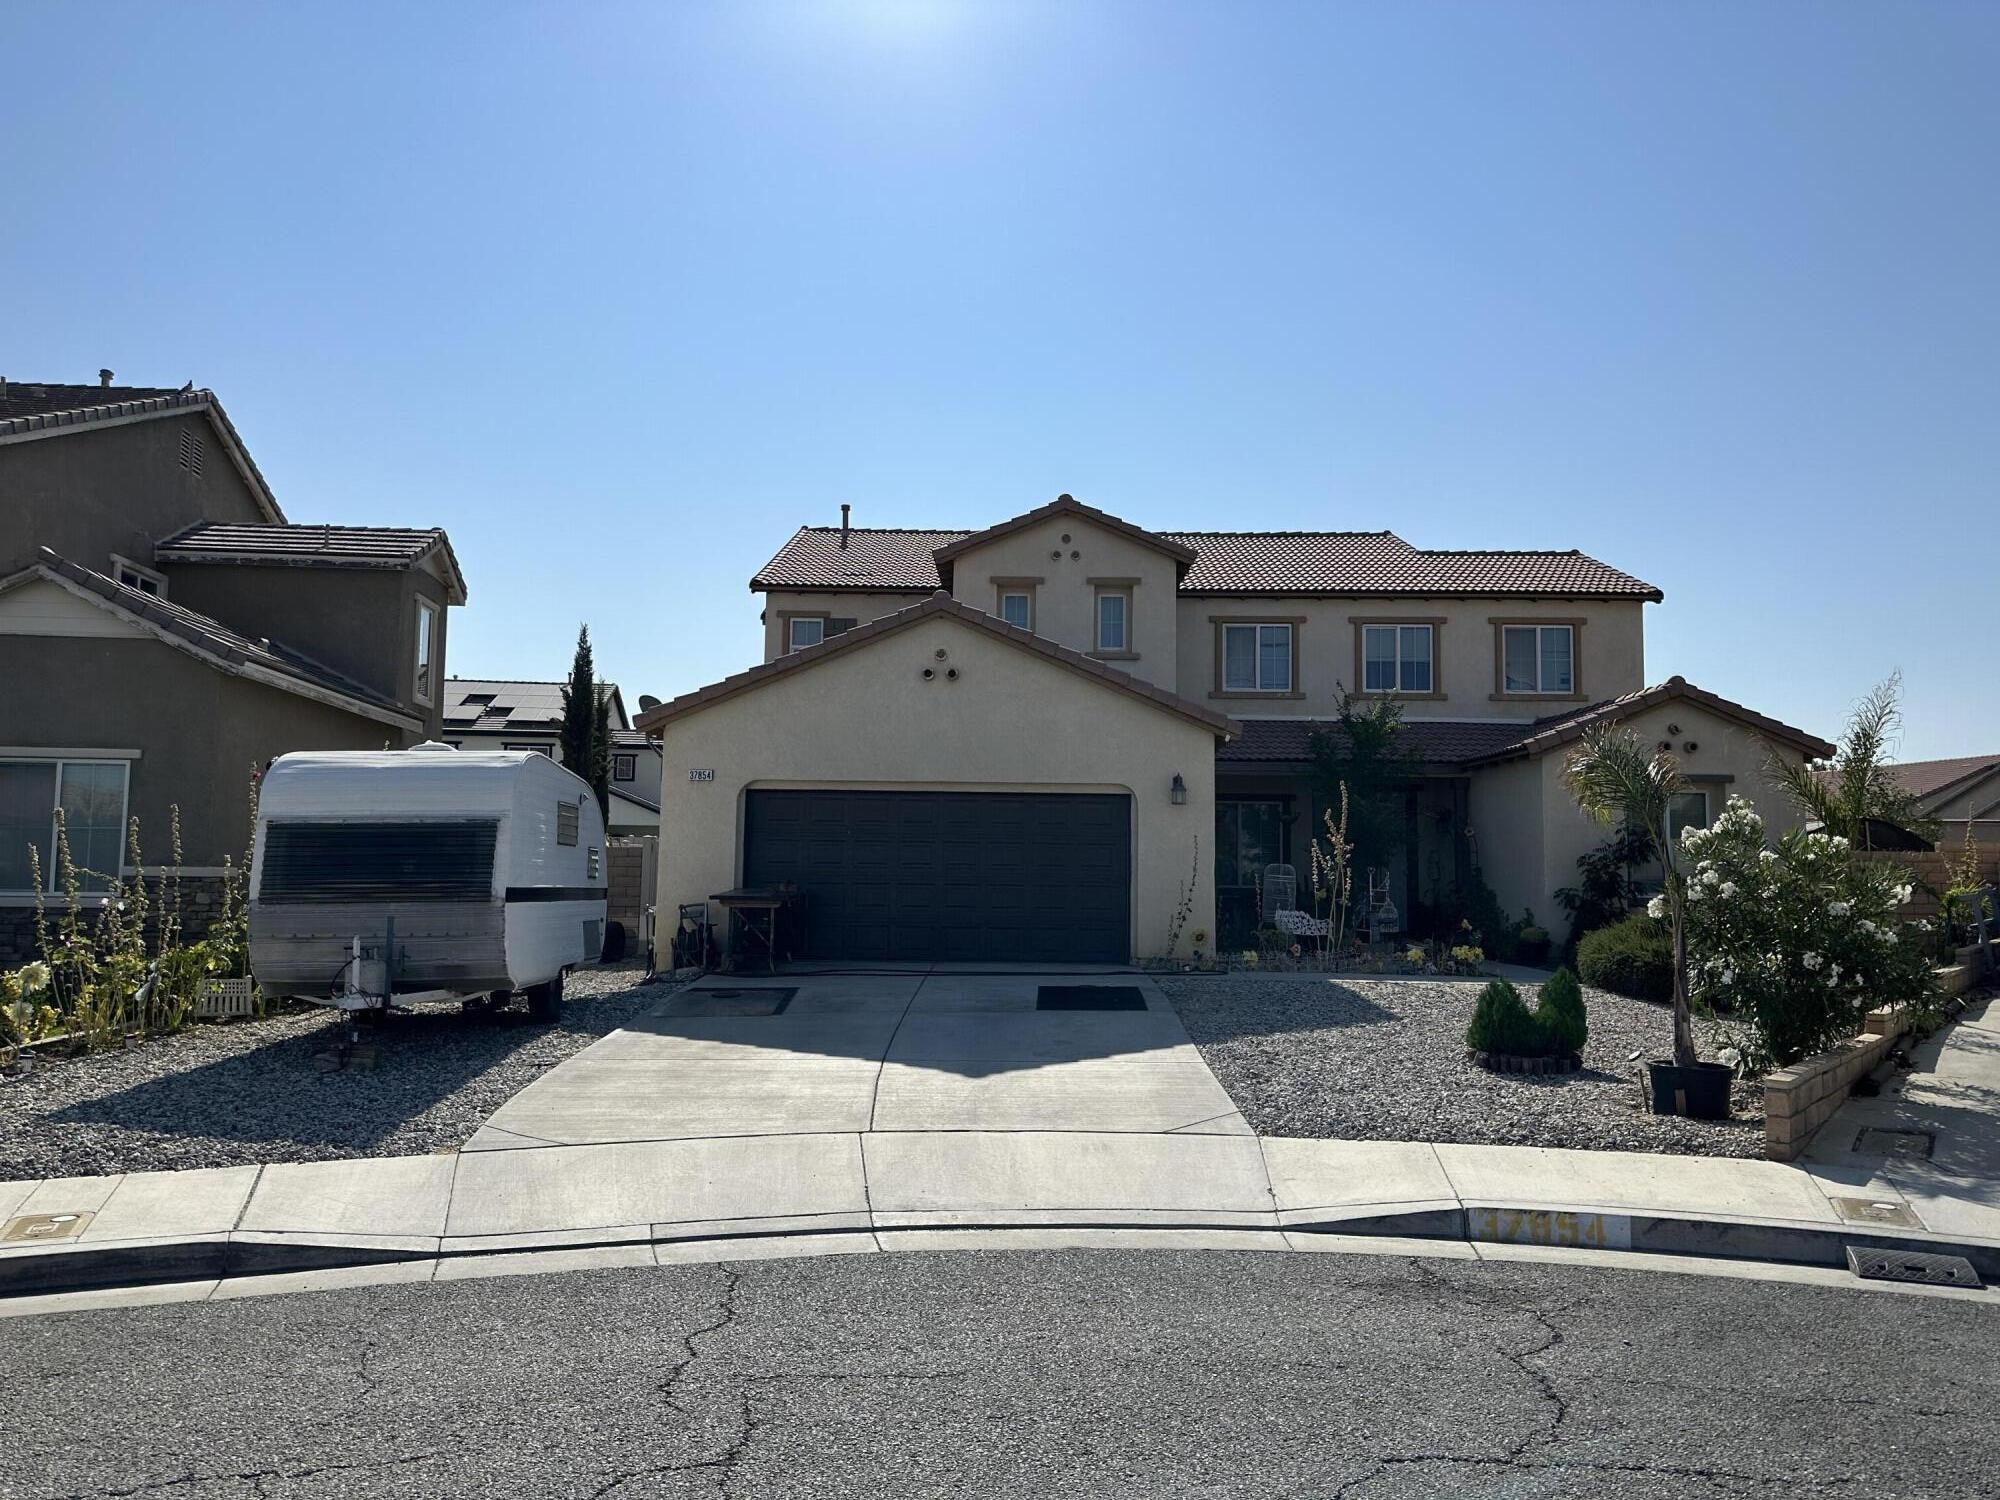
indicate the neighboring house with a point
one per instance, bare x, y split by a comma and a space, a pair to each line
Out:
1067, 738
165, 632
1961, 793
505, 715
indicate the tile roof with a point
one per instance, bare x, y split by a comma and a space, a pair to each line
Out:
1377, 563
872, 560
939, 603
1432, 740
1066, 505
37, 409
1474, 744
1922, 778
210, 638
299, 545
38, 399
1562, 729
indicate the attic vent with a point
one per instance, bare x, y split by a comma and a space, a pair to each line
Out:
566, 820
191, 452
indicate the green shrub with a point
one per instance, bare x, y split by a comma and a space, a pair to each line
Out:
1634, 958
1501, 1022
1559, 1012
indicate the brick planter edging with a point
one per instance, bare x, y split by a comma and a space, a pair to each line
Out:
1800, 1099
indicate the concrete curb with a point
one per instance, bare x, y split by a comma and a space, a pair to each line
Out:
226, 1257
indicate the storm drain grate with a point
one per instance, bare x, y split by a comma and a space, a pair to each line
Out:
1911, 1265
765, 1000
1089, 997
1878, 1142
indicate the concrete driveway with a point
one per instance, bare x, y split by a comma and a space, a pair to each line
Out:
924, 1050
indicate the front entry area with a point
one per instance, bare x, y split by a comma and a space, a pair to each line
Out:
949, 877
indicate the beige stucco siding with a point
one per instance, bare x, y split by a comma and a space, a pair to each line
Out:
1526, 866
1611, 651
1066, 595
860, 607
1012, 721
1506, 814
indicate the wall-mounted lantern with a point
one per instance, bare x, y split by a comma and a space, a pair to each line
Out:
1179, 792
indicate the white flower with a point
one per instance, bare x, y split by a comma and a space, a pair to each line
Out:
1710, 877
1728, 975
1838, 908
33, 977
1901, 895
1657, 907
1729, 1057
1833, 975
1728, 888
1766, 855
1839, 842
1812, 960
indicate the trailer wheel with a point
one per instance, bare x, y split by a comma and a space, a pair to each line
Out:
545, 1000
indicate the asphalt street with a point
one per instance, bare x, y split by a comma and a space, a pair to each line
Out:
1015, 1373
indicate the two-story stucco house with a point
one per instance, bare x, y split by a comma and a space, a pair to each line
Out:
165, 631
1037, 741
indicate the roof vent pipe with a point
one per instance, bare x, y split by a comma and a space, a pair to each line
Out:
104, 377
843, 526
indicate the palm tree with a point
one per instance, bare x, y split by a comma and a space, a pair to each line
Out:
1856, 787
1614, 779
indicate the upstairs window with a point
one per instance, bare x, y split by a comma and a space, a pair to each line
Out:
133, 576
426, 673
1538, 659
1114, 633
803, 631
1256, 658
1017, 608
1398, 658
624, 768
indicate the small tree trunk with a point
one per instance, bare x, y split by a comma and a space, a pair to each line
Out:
1684, 1053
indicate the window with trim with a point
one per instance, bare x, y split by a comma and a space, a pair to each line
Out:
426, 650
1017, 607
1398, 658
1114, 620
133, 576
1686, 810
91, 795
802, 631
1538, 658
568, 815
624, 768
1257, 658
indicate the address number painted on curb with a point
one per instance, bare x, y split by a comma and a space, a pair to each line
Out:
1540, 1226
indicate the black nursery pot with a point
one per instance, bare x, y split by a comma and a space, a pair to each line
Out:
1700, 1092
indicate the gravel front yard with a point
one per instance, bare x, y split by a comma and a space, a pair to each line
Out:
248, 1092
1384, 1060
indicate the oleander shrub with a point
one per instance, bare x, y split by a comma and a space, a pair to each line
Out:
1634, 958
1790, 945
1559, 1012
1502, 1022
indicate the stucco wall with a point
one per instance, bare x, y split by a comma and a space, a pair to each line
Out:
102, 490
1505, 809
781, 604
359, 621
1611, 652
1526, 870
199, 731
1011, 722
1066, 599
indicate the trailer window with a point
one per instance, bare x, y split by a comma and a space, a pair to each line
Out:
566, 818
431, 860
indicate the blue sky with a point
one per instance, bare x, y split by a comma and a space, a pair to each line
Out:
621, 295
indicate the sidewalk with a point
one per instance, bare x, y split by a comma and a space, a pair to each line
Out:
816, 1193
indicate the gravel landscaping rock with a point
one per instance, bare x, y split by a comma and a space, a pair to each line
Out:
249, 1091
1365, 1059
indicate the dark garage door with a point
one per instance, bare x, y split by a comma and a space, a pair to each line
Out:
964, 877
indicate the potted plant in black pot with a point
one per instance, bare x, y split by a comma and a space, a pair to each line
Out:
1614, 779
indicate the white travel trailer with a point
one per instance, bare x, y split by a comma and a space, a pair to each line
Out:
389, 876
